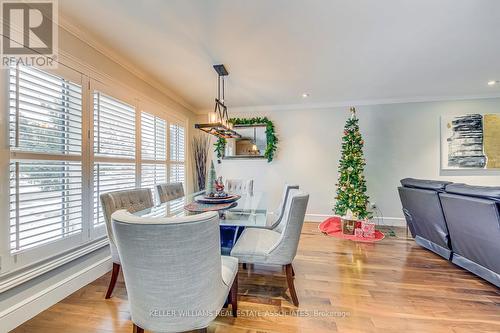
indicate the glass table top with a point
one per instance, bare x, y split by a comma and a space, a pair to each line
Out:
250, 210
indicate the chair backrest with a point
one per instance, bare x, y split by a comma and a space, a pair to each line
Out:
424, 214
172, 266
285, 249
277, 222
239, 186
131, 200
169, 191
473, 217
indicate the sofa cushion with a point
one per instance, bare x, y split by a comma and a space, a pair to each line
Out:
425, 184
475, 191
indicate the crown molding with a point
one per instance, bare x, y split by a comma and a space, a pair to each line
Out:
97, 45
312, 106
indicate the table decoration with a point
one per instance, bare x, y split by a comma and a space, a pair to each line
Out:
349, 223
199, 207
228, 198
368, 228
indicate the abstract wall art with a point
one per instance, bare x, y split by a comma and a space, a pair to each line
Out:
470, 141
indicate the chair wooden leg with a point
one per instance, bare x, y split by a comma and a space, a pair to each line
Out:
293, 270
291, 287
234, 297
112, 282
138, 329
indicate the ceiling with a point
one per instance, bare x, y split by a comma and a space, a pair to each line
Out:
338, 51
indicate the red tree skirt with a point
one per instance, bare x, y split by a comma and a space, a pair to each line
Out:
332, 227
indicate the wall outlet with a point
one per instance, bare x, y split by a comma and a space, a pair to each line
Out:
373, 205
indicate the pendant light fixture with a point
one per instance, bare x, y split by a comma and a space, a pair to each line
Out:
218, 121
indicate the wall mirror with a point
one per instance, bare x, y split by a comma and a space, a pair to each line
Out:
252, 144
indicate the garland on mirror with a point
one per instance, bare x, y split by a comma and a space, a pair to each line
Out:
200, 146
272, 139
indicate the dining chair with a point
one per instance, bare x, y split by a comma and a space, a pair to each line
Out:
175, 276
169, 191
275, 220
132, 200
270, 247
239, 186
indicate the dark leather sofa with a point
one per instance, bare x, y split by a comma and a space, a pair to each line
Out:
459, 222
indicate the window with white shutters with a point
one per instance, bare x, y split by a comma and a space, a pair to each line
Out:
69, 142
177, 154
153, 150
45, 135
114, 148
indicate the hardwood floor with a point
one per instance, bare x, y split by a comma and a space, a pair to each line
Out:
390, 286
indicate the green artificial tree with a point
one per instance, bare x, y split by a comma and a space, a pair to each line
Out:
351, 188
211, 177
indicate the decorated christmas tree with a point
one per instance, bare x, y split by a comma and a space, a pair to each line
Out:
351, 188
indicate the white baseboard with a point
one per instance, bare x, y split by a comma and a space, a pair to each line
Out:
388, 221
30, 307
391, 221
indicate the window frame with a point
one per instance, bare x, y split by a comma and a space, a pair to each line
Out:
24, 265
147, 161
27, 257
98, 86
170, 161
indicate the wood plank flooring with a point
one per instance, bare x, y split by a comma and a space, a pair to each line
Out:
390, 286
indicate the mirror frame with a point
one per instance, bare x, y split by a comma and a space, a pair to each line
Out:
246, 157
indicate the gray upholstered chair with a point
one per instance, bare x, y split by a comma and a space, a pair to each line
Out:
275, 220
264, 246
175, 276
169, 191
473, 217
131, 200
424, 215
239, 186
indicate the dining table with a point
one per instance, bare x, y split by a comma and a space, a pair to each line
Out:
248, 211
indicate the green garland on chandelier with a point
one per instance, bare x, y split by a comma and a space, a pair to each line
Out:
272, 139
220, 146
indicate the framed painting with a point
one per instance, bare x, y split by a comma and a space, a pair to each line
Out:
470, 141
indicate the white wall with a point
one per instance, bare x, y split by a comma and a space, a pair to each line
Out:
402, 140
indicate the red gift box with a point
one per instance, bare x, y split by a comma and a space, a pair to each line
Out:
368, 228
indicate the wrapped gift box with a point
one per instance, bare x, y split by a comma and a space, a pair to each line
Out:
368, 228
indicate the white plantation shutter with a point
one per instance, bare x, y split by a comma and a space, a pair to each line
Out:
45, 135
110, 177
45, 112
177, 173
114, 148
153, 138
152, 174
177, 144
46, 202
114, 127
153, 150
177, 154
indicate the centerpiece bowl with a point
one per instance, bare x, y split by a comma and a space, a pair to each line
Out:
216, 199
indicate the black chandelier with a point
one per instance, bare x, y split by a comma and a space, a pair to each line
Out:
219, 124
